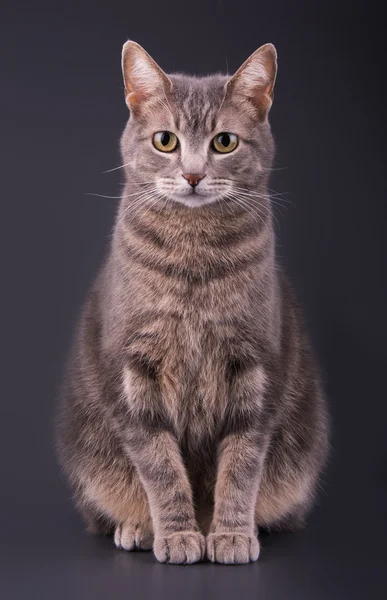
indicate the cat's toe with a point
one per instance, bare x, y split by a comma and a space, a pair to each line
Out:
232, 548
133, 536
180, 548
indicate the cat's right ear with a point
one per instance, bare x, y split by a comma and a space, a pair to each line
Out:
144, 81
253, 83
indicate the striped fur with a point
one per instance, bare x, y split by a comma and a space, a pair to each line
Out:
192, 405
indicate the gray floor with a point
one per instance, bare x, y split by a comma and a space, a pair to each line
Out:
46, 554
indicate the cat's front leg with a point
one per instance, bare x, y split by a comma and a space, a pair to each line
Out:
233, 535
153, 448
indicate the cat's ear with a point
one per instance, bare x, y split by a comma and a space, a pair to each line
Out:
254, 80
144, 80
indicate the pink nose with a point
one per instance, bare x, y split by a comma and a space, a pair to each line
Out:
193, 178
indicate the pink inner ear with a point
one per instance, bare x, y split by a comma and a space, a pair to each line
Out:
264, 92
255, 79
135, 98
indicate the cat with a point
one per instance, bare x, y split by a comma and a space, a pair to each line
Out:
192, 410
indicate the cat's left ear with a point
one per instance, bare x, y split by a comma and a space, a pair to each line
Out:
254, 80
144, 80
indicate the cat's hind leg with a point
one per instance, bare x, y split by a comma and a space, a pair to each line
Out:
283, 502
117, 503
95, 523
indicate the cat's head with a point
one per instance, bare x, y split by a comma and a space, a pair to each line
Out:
198, 140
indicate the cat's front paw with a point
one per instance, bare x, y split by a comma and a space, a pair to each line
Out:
134, 536
232, 548
184, 547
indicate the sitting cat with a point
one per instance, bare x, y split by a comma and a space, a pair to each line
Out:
192, 412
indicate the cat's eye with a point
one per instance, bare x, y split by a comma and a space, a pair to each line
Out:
225, 142
165, 141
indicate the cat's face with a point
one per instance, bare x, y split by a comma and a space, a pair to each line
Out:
197, 140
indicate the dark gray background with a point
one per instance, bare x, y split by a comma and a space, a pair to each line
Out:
63, 111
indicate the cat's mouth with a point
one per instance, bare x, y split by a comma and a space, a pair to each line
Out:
194, 199
193, 196
194, 190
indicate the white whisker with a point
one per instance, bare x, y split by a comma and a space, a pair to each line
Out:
116, 168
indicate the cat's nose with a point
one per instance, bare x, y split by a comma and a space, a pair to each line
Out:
193, 178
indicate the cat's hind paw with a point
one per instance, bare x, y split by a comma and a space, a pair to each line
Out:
184, 547
232, 548
133, 536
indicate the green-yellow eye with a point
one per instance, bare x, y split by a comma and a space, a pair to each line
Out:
225, 142
165, 141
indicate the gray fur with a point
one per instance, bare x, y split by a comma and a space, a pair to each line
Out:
193, 405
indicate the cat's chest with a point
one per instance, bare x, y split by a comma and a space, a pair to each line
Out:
190, 357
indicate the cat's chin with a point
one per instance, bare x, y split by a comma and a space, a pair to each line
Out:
194, 200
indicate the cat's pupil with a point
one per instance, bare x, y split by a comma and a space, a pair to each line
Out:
165, 138
225, 139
